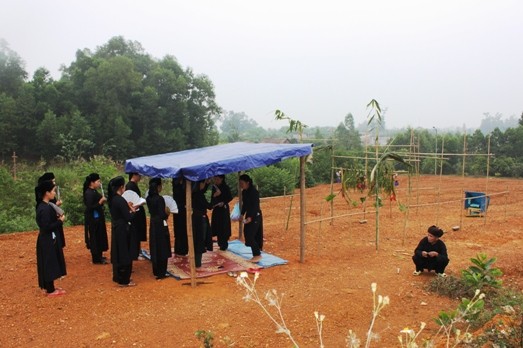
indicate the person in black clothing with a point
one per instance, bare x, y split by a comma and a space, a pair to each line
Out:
253, 223
221, 215
55, 202
121, 216
50, 259
200, 221
159, 239
181, 246
139, 223
431, 253
94, 226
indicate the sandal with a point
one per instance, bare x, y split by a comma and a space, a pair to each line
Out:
55, 293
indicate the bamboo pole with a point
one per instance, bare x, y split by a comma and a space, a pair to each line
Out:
506, 203
302, 209
289, 214
332, 183
440, 178
188, 219
461, 212
487, 199
240, 203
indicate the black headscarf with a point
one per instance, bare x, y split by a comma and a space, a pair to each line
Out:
153, 186
435, 231
46, 177
42, 188
113, 186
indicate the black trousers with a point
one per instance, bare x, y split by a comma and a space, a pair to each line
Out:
252, 235
437, 264
160, 268
49, 286
122, 273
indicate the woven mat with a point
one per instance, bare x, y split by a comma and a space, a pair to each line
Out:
213, 262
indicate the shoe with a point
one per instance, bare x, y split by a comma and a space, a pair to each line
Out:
131, 283
441, 275
56, 293
103, 262
256, 259
416, 273
141, 258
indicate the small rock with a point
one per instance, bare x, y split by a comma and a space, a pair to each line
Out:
103, 336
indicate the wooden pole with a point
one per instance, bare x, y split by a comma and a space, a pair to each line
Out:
486, 183
506, 202
302, 209
463, 178
240, 202
14, 164
188, 218
332, 184
440, 177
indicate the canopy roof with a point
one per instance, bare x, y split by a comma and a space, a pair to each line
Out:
206, 162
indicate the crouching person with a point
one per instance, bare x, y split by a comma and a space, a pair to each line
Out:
431, 253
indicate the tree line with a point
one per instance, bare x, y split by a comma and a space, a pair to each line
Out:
115, 101
120, 102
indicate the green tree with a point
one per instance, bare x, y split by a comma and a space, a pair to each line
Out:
12, 73
347, 137
237, 126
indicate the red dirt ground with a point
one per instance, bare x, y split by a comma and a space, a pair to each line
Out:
341, 262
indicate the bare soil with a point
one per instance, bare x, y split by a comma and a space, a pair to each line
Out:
341, 260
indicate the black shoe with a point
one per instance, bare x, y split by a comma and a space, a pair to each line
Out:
103, 262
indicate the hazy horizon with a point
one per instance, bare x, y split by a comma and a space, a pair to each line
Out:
429, 64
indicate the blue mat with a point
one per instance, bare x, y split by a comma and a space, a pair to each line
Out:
268, 260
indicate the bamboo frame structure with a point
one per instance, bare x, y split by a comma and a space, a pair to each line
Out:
415, 157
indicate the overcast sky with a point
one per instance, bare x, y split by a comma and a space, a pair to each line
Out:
429, 63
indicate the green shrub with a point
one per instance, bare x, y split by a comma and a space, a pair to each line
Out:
482, 273
272, 181
17, 207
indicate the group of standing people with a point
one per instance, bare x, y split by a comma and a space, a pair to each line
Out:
128, 224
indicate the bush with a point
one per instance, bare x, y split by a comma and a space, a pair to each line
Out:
17, 207
481, 273
272, 181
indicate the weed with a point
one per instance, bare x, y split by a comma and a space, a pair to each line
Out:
206, 337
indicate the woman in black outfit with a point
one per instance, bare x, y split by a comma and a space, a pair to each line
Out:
253, 223
139, 223
221, 215
49, 176
121, 216
50, 259
94, 217
159, 238
200, 221
181, 245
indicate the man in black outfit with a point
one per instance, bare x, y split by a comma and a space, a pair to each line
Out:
431, 253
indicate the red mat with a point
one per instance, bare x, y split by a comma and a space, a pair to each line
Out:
213, 262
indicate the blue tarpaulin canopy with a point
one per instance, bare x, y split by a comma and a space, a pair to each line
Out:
206, 162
